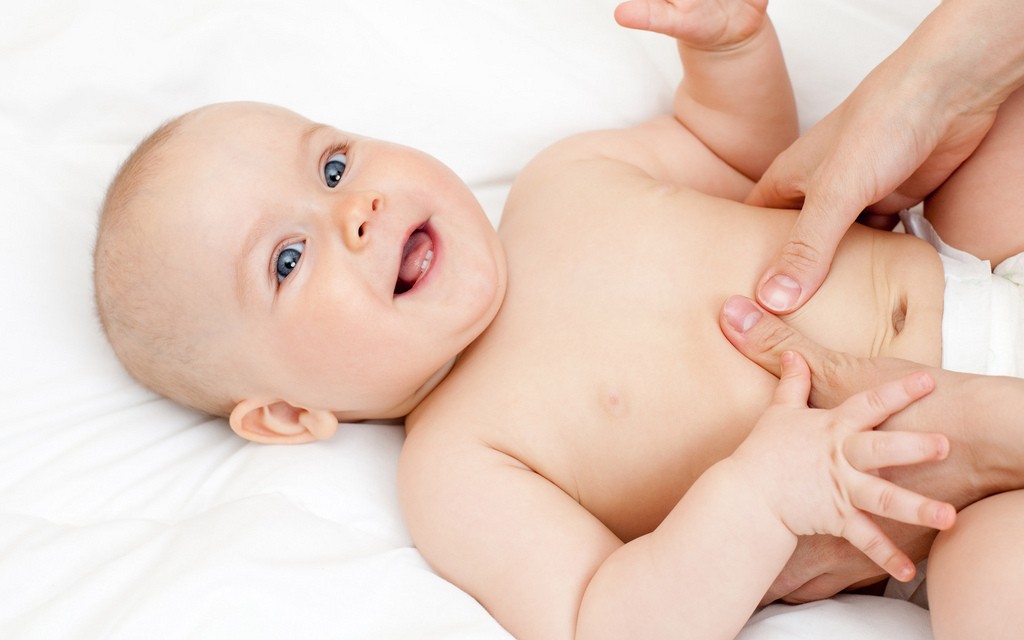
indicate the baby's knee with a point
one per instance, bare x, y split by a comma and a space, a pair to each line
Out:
975, 571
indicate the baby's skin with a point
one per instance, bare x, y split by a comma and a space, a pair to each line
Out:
564, 471
584, 452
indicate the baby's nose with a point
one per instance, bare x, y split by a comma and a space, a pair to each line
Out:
354, 214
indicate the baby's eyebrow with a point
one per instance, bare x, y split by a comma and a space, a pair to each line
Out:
246, 280
310, 132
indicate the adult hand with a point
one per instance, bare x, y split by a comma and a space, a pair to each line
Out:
815, 469
979, 414
822, 566
899, 135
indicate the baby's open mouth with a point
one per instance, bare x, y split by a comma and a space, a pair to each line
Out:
416, 258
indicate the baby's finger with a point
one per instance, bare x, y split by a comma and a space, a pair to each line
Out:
871, 450
866, 535
795, 384
870, 408
883, 498
645, 15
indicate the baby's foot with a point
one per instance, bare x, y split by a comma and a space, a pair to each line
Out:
712, 25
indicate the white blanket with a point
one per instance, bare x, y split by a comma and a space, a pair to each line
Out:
125, 516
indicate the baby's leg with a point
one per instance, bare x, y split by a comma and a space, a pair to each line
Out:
976, 572
735, 95
978, 209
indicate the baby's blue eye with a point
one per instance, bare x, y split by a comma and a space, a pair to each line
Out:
288, 259
334, 169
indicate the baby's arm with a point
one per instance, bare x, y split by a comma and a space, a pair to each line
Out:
735, 94
547, 568
801, 471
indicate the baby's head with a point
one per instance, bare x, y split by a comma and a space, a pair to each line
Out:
256, 265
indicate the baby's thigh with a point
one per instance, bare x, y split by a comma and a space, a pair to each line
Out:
976, 572
979, 208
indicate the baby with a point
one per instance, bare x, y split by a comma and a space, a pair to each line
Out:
573, 410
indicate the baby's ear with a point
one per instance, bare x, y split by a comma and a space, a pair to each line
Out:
281, 423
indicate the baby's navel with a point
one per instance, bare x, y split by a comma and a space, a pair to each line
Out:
899, 315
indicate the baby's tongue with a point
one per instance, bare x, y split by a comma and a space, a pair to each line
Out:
414, 257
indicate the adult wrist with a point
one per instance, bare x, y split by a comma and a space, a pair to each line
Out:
971, 51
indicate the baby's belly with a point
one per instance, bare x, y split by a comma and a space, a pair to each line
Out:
625, 389
625, 419
649, 442
883, 297
626, 410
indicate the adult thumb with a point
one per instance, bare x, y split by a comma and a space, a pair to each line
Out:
762, 337
800, 267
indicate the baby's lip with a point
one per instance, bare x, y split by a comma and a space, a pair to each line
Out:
415, 259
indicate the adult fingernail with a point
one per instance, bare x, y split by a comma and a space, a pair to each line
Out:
741, 313
780, 293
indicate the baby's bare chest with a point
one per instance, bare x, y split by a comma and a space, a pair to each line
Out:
606, 372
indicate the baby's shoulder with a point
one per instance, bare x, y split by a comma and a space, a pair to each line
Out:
458, 411
615, 163
453, 439
483, 405
642, 147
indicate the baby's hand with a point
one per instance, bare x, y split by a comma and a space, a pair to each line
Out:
701, 24
815, 468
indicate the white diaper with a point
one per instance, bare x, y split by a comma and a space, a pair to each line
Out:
982, 325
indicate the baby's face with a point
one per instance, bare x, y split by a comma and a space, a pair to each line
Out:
337, 272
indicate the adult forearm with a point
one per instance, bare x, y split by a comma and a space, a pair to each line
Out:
968, 54
980, 415
992, 414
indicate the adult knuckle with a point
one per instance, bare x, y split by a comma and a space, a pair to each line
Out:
775, 337
831, 369
823, 586
801, 254
784, 584
802, 596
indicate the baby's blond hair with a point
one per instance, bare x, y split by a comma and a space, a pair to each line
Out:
157, 343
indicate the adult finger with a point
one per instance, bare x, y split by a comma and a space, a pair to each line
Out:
777, 188
821, 587
883, 221
762, 337
798, 269
821, 567
784, 184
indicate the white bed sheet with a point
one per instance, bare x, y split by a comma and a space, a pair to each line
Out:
125, 516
